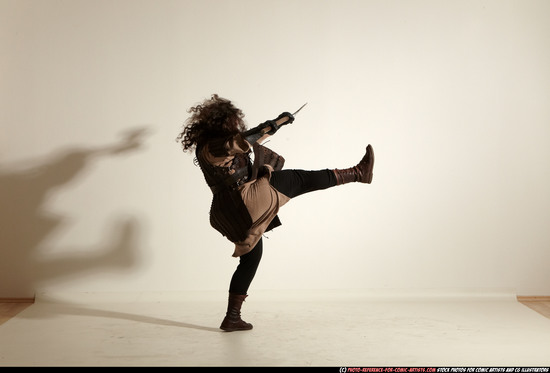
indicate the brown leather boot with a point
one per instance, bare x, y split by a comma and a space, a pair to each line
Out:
232, 321
361, 173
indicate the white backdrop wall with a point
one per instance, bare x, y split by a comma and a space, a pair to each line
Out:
454, 96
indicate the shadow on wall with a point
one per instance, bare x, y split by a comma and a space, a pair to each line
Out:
25, 223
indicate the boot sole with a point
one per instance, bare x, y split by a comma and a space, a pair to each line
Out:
235, 329
371, 159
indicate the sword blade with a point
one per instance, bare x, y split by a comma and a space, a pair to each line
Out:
301, 107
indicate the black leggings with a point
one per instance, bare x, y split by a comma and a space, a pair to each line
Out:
291, 183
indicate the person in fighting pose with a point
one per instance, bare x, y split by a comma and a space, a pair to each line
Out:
247, 194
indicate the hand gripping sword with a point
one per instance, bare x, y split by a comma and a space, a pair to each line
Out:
285, 119
253, 135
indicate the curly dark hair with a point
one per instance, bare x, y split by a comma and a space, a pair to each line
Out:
213, 118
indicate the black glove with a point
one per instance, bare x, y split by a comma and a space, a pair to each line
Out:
277, 123
270, 123
288, 121
256, 133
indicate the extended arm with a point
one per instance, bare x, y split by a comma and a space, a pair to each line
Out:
267, 128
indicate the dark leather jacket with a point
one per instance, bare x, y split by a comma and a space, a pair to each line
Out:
228, 213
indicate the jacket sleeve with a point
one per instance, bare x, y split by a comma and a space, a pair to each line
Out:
221, 151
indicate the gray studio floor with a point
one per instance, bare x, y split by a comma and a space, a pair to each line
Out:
303, 329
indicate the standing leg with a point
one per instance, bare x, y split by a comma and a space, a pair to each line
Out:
238, 288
